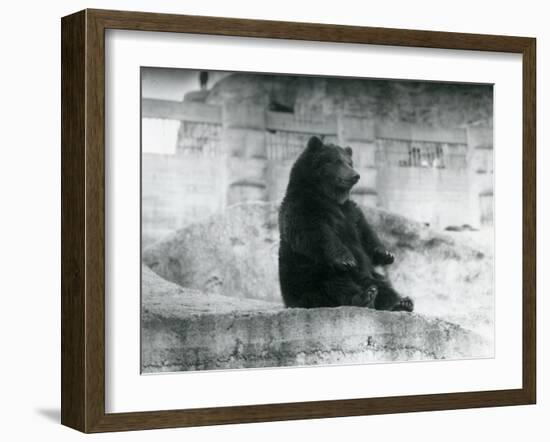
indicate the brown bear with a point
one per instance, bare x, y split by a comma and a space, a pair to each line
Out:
328, 251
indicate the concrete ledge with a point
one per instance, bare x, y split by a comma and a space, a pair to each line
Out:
187, 330
343, 335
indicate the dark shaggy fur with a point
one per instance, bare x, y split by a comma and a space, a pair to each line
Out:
328, 251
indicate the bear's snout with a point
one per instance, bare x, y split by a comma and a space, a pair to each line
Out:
355, 178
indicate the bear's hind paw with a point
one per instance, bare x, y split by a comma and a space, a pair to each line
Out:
404, 305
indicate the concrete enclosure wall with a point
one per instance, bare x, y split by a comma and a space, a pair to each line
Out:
241, 151
179, 189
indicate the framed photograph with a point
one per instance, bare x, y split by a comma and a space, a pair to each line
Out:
267, 220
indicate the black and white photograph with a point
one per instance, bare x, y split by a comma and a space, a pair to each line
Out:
291, 220
270, 221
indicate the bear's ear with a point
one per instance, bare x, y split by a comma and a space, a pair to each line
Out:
314, 144
349, 151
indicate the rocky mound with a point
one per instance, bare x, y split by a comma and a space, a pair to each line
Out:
168, 300
235, 254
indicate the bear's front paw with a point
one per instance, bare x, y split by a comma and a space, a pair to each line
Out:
404, 305
382, 257
344, 262
367, 298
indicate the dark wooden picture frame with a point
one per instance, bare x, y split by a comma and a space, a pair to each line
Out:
83, 220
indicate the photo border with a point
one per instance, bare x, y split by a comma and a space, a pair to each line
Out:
83, 220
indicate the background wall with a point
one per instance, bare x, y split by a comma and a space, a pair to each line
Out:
30, 233
417, 145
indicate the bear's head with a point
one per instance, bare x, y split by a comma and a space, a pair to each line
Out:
326, 169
